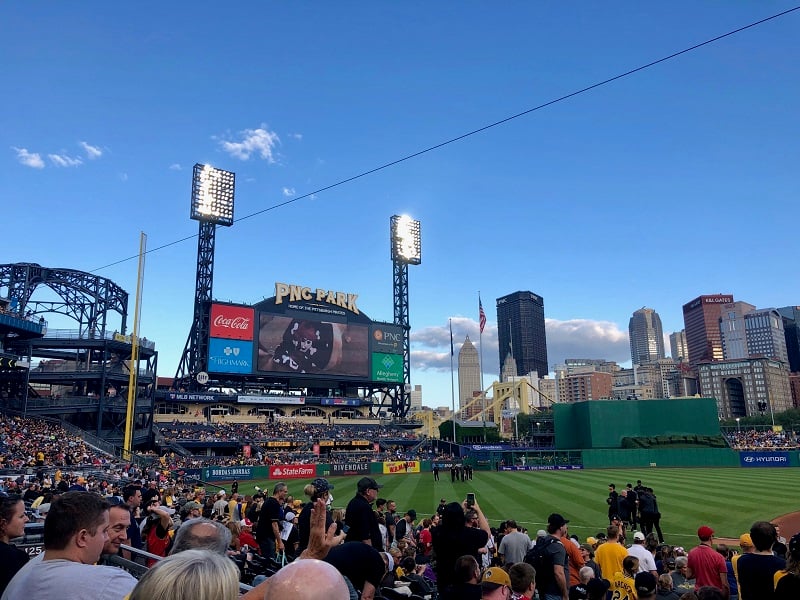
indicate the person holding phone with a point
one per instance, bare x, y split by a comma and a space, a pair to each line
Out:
454, 538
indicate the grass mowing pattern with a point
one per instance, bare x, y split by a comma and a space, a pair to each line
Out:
727, 499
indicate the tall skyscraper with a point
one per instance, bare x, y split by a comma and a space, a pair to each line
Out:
731, 328
701, 323
765, 335
520, 330
677, 346
791, 330
646, 336
469, 373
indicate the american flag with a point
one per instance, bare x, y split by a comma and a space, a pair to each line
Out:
481, 315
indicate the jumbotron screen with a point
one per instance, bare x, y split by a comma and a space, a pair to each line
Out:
312, 347
302, 332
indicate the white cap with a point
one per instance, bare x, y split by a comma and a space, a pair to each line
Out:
390, 560
289, 517
639, 536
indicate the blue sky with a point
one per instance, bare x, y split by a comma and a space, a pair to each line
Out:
677, 181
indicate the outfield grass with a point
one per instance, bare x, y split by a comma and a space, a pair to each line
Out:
727, 499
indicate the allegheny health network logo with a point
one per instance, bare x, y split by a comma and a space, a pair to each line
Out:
388, 362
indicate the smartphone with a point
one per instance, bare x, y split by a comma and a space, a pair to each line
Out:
470, 499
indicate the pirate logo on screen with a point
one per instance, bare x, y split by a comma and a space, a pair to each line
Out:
306, 347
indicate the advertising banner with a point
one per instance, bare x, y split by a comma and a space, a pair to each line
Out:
543, 468
406, 466
292, 471
350, 468
340, 402
230, 356
387, 367
227, 473
232, 322
387, 339
764, 459
183, 397
495, 447
189, 474
277, 399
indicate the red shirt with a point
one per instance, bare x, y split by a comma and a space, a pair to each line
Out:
426, 541
706, 564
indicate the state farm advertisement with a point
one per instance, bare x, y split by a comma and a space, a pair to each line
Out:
232, 322
292, 471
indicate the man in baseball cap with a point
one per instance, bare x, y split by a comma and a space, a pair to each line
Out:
646, 586
368, 483
495, 584
706, 565
361, 518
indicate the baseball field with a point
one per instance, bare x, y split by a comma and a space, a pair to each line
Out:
727, 499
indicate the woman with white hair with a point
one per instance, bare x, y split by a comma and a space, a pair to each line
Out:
190, 575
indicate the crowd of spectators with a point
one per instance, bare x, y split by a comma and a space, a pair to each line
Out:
280, 429
387, 548
26, 442
764, 439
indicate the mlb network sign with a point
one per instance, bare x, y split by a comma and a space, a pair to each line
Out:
764, 459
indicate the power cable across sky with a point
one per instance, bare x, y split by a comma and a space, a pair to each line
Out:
476, 131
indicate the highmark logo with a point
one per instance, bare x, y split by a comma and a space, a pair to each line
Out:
388, 362
228, 351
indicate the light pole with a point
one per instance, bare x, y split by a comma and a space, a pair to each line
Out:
406, 249
738, 425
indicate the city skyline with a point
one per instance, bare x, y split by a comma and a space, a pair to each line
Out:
541, 147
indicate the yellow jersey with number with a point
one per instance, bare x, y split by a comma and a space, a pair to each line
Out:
622, 587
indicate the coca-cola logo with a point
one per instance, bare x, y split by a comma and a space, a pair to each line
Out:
234, 323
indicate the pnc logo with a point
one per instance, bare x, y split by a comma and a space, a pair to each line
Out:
377, 334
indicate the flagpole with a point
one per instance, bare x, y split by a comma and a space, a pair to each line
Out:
452, 385
481, 322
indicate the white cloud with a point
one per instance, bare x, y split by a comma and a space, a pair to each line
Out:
583, 338
29, 159
288, 192
62, 160
297, 136
259, 141
92, 152
123, 177
175, 167
575, 338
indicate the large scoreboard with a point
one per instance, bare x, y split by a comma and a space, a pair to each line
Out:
307, 333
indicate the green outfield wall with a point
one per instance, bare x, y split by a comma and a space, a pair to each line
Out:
600, 424
661, 457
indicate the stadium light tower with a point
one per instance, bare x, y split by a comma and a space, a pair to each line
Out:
406, 250
212, 205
